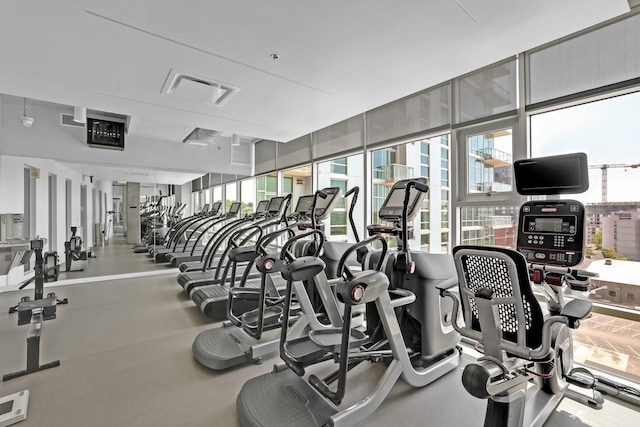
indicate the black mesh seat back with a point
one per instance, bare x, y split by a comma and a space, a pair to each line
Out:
505, 272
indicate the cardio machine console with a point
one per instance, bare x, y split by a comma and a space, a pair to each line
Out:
324, 207
552, 232
391, 209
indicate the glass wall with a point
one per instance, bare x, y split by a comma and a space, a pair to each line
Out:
607, 133
230, 194
247, 195
297, 182
266, 187
483, 122
345, 173
429, 158
216, 196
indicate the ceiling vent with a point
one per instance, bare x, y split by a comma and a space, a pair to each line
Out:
198, 89
67, 120
203, 137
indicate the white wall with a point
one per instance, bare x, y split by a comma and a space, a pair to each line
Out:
12, 195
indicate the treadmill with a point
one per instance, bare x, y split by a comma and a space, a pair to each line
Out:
276, 213
212, 299
193, 236
197, 251
185, 233
261, 209
253, 334
173, 231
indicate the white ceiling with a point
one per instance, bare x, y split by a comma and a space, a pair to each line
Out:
337, 58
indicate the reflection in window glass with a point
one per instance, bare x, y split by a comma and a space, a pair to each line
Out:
604, 131
489, 159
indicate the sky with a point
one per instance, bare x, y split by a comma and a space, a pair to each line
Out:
607, 131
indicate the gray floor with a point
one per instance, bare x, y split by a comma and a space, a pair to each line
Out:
125, 352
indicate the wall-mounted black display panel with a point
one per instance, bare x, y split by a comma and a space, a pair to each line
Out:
105, 134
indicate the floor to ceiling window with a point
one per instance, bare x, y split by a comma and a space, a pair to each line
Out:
429, 158
608, 132
344, 173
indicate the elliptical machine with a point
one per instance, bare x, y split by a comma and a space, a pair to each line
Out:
528, 354
285, 398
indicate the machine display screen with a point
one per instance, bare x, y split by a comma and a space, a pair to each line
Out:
550, 225
262, 206
234, 208
275, 204
396, 198
552, 175
305, 203
323, 204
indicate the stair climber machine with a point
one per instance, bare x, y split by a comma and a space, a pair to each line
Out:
216, 255
174, 230
183, 235
212, 299
197, 250
285, 398
527, 365
250, 334
194, 236
158, 231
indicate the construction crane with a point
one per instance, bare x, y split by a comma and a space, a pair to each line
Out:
604, 169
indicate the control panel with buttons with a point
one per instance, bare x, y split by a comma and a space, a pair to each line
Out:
552, 232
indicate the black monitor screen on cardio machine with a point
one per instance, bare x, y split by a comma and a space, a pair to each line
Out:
323, 204
305, 203
275, 204
262, 206
562, 174
552, 232
392, 207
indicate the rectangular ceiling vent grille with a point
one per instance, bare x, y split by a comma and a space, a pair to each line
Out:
201, 90
203, 137
67, 120
241, 153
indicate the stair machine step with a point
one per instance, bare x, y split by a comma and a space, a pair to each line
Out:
304, 351
283, 400
271, 318
331, 339
212, 301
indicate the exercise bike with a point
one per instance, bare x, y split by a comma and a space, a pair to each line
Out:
527, 362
